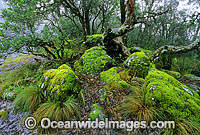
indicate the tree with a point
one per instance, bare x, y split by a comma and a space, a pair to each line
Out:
43, 27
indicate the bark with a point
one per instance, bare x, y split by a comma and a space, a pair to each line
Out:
123, 11
168, 49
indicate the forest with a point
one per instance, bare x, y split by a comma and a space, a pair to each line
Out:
133, 62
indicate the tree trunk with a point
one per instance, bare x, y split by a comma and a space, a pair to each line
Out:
123, 12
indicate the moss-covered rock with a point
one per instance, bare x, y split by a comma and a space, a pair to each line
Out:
93, 61
139, 49
138, 63
170, 96
93, 40
175, 74
112, 76
59, 84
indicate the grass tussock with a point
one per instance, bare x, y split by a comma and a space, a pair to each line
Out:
57, 111
134, 105
183, 127
28, 100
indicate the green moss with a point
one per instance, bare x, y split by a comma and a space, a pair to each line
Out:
138, 63
112, 76
4, 114
175, 74
93, 40
93, 61
139, 49
59, 84
189, 75
64, 66
170, 96
6, 64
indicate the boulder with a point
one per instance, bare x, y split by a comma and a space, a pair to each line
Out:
112, 76
171, 96
93, 61
138, 63
59, 84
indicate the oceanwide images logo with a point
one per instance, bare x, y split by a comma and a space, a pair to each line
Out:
46, 123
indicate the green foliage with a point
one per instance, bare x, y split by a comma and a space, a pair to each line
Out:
93, 61
172, 97
59, 84
187, 63
97, 112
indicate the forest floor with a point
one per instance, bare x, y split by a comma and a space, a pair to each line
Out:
92, 86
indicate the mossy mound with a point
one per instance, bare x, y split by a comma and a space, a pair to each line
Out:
139, 49
93, 40
112, 76
170, 96
138, 63
175, 74
93, 61
59, 84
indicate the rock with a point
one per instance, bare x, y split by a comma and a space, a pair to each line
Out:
112, 76
174, 98
93, 61
194, 87
93, 40
138, 63
175, 74
139, 49
59, 84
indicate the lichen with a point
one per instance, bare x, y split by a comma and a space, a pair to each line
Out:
138, 63
170, 96
93, 61
59, 84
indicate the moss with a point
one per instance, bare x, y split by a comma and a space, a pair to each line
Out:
139, 49
4, 114
170, 96
175, 74
93, 40
138, 63
189, 75
59, 84
8, 63
112, 76
93, 61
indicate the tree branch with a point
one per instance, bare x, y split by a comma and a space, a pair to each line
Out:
168, 49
